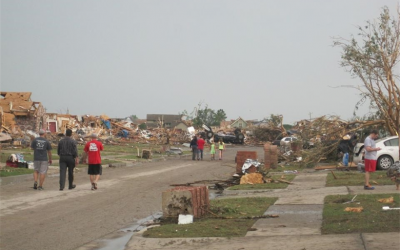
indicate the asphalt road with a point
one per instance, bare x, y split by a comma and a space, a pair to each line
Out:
53, 219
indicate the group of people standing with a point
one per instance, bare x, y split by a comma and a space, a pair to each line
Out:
68, 153
197, 145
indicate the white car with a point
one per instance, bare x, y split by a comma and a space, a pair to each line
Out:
287, 140
388, 154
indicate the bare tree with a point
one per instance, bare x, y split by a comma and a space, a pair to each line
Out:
373, 58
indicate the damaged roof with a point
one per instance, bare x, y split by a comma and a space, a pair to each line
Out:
18, 103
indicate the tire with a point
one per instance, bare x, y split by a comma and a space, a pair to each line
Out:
210, 135
241, 137
384, 162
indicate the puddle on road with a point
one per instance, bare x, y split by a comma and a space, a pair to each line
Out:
123, 236
120, 242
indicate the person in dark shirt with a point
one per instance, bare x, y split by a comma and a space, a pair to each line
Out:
41, 159
68, 153
193, 146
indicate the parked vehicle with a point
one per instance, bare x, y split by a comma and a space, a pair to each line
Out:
236, 138
287, 140
388, 154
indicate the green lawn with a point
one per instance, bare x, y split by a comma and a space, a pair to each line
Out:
371, 220
272, 185
289, 167
8, 171
213, 227
356, 179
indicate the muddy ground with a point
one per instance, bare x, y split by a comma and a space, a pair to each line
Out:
53, 219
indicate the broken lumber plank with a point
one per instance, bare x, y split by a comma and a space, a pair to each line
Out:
284, 181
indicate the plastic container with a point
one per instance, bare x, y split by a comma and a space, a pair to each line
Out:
30, 164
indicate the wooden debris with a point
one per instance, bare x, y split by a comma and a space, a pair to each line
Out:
386, 200
334, 176
354, 209
284, 181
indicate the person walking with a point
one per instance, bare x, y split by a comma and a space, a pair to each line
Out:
92, 150
370, 157
200, 148
68, 153
41, 159
212, 150
193, 146
221, 148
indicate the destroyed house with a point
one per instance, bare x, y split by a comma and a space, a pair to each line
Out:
239, 123
164, 121
20, 112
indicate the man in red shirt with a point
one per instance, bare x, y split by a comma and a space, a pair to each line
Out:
200, 147
92, 150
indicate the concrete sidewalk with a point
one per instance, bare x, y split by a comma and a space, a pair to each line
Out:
300, 209
381, 241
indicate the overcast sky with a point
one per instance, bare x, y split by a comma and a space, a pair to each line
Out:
250, 58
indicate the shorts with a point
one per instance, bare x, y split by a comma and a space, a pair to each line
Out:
94, 169
370, 165
41, 166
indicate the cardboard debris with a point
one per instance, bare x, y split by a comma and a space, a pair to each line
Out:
354, 209
386, 200
254, 178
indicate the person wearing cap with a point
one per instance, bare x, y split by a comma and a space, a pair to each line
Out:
41, 159
92, 149
68, 153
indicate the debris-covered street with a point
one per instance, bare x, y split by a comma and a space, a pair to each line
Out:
199, 125
77, 217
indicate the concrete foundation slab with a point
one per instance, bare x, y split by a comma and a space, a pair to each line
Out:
387, 189
309, 196
386, 241
292, 220
308, 181
309, 242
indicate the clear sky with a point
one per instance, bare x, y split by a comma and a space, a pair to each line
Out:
119, 58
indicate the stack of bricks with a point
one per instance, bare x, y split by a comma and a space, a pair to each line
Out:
185, 200
270, 156
242, 156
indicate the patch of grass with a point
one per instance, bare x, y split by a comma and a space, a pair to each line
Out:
213, 227
371, 220
273, 185
8, 171
356, 179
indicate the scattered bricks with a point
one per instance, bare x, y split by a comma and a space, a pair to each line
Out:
185, 200
270, 156
242, 156
267, 156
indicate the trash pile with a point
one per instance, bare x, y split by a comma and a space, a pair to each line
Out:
109, 131
16, 161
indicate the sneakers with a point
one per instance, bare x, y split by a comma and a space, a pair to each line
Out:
92, 186
95, 186
40, 188
369, 187
35, 185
